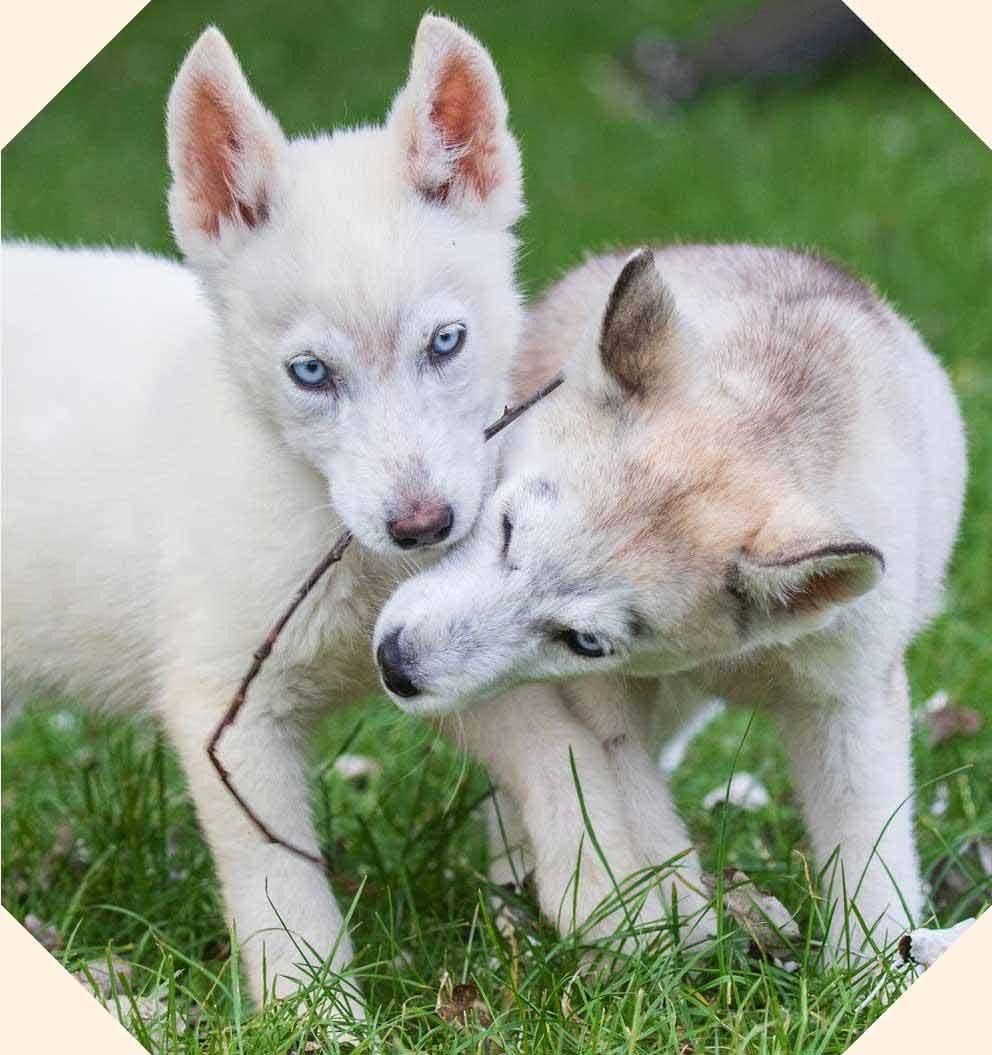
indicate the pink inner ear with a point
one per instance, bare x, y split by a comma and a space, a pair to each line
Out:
461, 113
823, 590
212, 148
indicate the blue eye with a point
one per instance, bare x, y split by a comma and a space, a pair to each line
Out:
448, 339
309, 372
583, 643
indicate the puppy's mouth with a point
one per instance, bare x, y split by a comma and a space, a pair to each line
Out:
404, 685
424, 706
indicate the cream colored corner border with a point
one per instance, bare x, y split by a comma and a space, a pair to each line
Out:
46, 43
946, 44
946, 1009
43, 1008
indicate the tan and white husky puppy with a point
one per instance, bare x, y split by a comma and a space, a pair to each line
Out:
182, 443
748, 488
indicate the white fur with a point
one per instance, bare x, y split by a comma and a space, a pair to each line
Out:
773, 491
168, 487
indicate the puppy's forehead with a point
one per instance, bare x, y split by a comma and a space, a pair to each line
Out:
379, 297
375, 338
388, 329
385, 276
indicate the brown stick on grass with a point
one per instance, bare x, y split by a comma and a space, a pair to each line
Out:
264, 650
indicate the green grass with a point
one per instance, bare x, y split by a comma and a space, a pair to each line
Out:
99, 838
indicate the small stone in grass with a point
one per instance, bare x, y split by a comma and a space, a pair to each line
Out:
983, 849
945, 719
110, 983
64, 853
358, 769
767, 921
64, 721
43, 933
744, 791
925, 946
98, 976
941, 800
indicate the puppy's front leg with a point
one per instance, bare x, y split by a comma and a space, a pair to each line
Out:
280, 905
527, 739
620, 711
853, 771
510, 858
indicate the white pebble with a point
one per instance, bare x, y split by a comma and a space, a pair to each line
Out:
356, 767
745, 791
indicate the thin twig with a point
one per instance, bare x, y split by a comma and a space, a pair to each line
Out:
260, 655
264, 650
510, 414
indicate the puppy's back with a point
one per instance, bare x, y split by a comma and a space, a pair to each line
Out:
87, 336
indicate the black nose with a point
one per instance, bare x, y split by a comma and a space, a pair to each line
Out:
391, 662
425, 525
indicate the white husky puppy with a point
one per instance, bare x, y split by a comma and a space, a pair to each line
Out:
182, 444
748, 488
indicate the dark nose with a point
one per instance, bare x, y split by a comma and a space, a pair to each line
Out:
391, 662
426, 525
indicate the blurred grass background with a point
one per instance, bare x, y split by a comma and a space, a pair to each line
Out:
866, 164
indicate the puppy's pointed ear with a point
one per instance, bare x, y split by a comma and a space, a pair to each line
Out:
799, 584
638, 335
451, 118
224, 152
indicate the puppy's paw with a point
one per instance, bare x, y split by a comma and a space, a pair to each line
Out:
604, 902
335, 1015
508, 905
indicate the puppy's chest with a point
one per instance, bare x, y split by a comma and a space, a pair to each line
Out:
762, 680
330, 635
